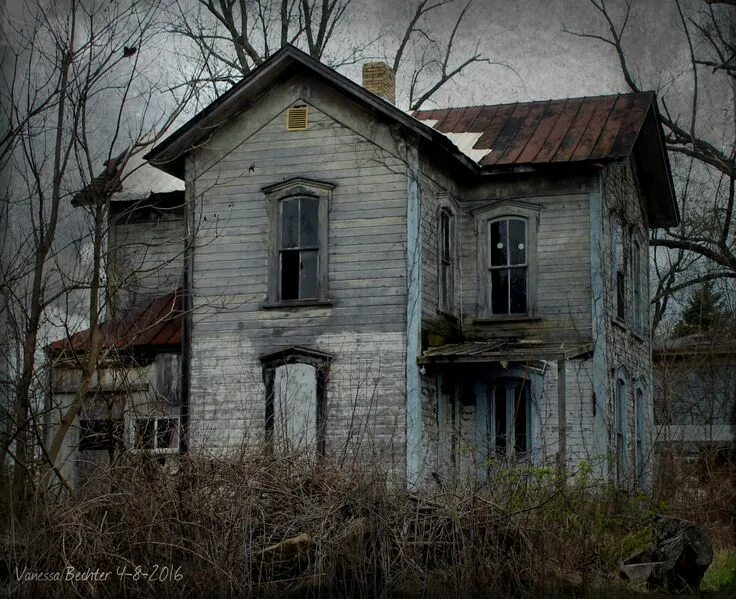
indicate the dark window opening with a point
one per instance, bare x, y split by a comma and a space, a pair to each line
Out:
447, 274
299, 248
100, 435
509, 266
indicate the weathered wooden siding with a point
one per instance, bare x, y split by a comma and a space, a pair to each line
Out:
563, 291
145, 254
624, 348
363, 328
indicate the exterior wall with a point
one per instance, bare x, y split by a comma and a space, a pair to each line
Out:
626, 352
145, 255
364, 326
122, 392
695, 400
563, 288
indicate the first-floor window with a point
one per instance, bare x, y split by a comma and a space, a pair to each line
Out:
509, 418
159, 434
100, 434
295, 407
621, 433
640, 449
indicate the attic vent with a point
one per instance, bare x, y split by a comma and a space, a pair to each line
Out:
296, 118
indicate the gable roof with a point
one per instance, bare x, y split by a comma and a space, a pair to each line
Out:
495, 139
169, 155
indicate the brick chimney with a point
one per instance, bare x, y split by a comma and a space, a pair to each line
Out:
379, 79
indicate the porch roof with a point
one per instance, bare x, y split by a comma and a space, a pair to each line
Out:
504, 350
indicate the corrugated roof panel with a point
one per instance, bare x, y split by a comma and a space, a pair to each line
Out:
594, 129
568, 112
572, 130
575, 130
156, 324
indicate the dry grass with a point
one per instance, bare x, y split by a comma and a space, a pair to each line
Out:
223, 525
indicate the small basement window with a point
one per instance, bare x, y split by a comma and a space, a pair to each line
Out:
159, 434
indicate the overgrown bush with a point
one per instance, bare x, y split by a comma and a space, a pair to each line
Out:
281, 525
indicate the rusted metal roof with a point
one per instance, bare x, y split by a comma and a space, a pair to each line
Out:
151, 326
570, 130
503, 350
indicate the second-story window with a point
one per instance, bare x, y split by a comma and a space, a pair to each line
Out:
508, 265
618, 271
299, 248
636, 284
446, 262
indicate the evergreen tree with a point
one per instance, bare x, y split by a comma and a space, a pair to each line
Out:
704, 312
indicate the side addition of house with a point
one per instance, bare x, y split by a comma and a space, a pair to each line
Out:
447, 292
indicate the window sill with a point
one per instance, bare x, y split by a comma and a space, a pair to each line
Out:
507, 318
296, 304
619, 323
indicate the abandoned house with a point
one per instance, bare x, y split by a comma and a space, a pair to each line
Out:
447, 291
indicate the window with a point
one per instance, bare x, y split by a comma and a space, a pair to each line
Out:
507, 262
509, 418
621, 430
639, 434
637, 287
298, 248
100, 435
508, 265
159, 434
618, 270
295, 381
446, 261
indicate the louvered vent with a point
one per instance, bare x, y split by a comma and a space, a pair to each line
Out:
296, 118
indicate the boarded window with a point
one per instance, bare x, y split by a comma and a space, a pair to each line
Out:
299, 248
446, 263
295, 407
508, 265
100, 434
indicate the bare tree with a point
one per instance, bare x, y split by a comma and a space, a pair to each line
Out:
232, 37
76, 93
703, 247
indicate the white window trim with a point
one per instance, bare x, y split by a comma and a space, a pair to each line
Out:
132, 436
499, 210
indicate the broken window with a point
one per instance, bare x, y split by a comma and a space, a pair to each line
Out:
159, 434
299, 248
446, 262
509, 419
100, 434
508, 265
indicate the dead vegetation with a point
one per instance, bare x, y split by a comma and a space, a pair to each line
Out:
266, 525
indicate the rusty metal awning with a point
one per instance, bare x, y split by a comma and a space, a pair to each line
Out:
504, 350
153, 326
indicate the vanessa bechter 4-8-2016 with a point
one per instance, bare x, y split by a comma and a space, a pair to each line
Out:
156, 573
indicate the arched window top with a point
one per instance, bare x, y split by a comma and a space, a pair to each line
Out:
296, 355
